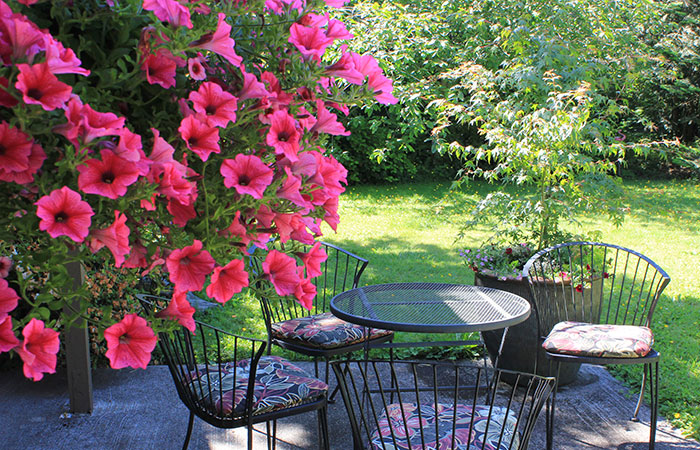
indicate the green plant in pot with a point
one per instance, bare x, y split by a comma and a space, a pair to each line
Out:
548, 141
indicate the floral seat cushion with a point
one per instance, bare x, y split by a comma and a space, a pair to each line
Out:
323, 331
495, 433
279, 384
609, 341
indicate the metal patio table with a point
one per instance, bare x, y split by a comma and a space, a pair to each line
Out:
430, 308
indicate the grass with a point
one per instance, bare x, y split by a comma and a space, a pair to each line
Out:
408, 233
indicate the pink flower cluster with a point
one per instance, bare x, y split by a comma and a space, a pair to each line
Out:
143, 198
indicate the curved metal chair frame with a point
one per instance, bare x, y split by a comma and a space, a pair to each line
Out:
439, 404
188, 354
616, 286
341, 272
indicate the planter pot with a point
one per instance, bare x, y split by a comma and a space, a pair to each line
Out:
521, 347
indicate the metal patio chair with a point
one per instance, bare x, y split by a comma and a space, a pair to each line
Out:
318, 333
225, 380
439, 404
594, 304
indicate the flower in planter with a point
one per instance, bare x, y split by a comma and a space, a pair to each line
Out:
502, 262
143, 136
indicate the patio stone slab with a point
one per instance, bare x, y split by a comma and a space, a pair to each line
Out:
139, 409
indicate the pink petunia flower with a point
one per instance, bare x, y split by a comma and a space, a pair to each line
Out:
36, 160
182, 213
115, 238
108, 177
228, 281
337, 29
5, 266
8, 340
170, 11
220, 42
252, 88
160, 68
61, 59
217, 106
382, 86
137, 257
327, 122
179, 309
40, 87
196, 69
85, 124
282, 271
313, 260
247, 174
290, 190
38, 350
63, 213
331, 216
22, 37
130, 343
199, 137
172, 183
190, 266
310, 41
8, 298
16, 148
6, 99
283, 135
305, 291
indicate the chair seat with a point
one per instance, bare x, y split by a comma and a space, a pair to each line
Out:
494, 434
323, 331
279, 384
602, 341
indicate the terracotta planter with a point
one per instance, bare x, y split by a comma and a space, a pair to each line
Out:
522, 346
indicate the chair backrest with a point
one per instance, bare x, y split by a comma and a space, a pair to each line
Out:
459, 404
206, 364
341, 272
593, 282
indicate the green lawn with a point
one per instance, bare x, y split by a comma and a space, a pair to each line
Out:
408, 233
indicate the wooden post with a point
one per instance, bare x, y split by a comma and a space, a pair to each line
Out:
77, 347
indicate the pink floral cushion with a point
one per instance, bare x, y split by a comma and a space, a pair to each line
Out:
485, 433
610, 341
279, 384
323, 331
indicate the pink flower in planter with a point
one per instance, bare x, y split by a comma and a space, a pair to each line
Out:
5, 98
313, 260
310, 41
5, 266
216, 106
160, 68
130, 343
283, 135
190, 266
115, 238
63, 213
108, 177
330, 175
130, 149
247, 174
85, 124
196, 69
282, 271
61, 59
8, 340
169, 11
381, 85
305, 291
327, 122
40, 87
228, 281
220, 42
180, 310
8, 298
337, 29
16, 148
22, 37
345, 68
252, 88
137, 257
199, 137
172, 184
38, 350
290, 190
182, 213
331, 216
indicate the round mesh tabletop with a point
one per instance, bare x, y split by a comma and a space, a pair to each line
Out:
430, 307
